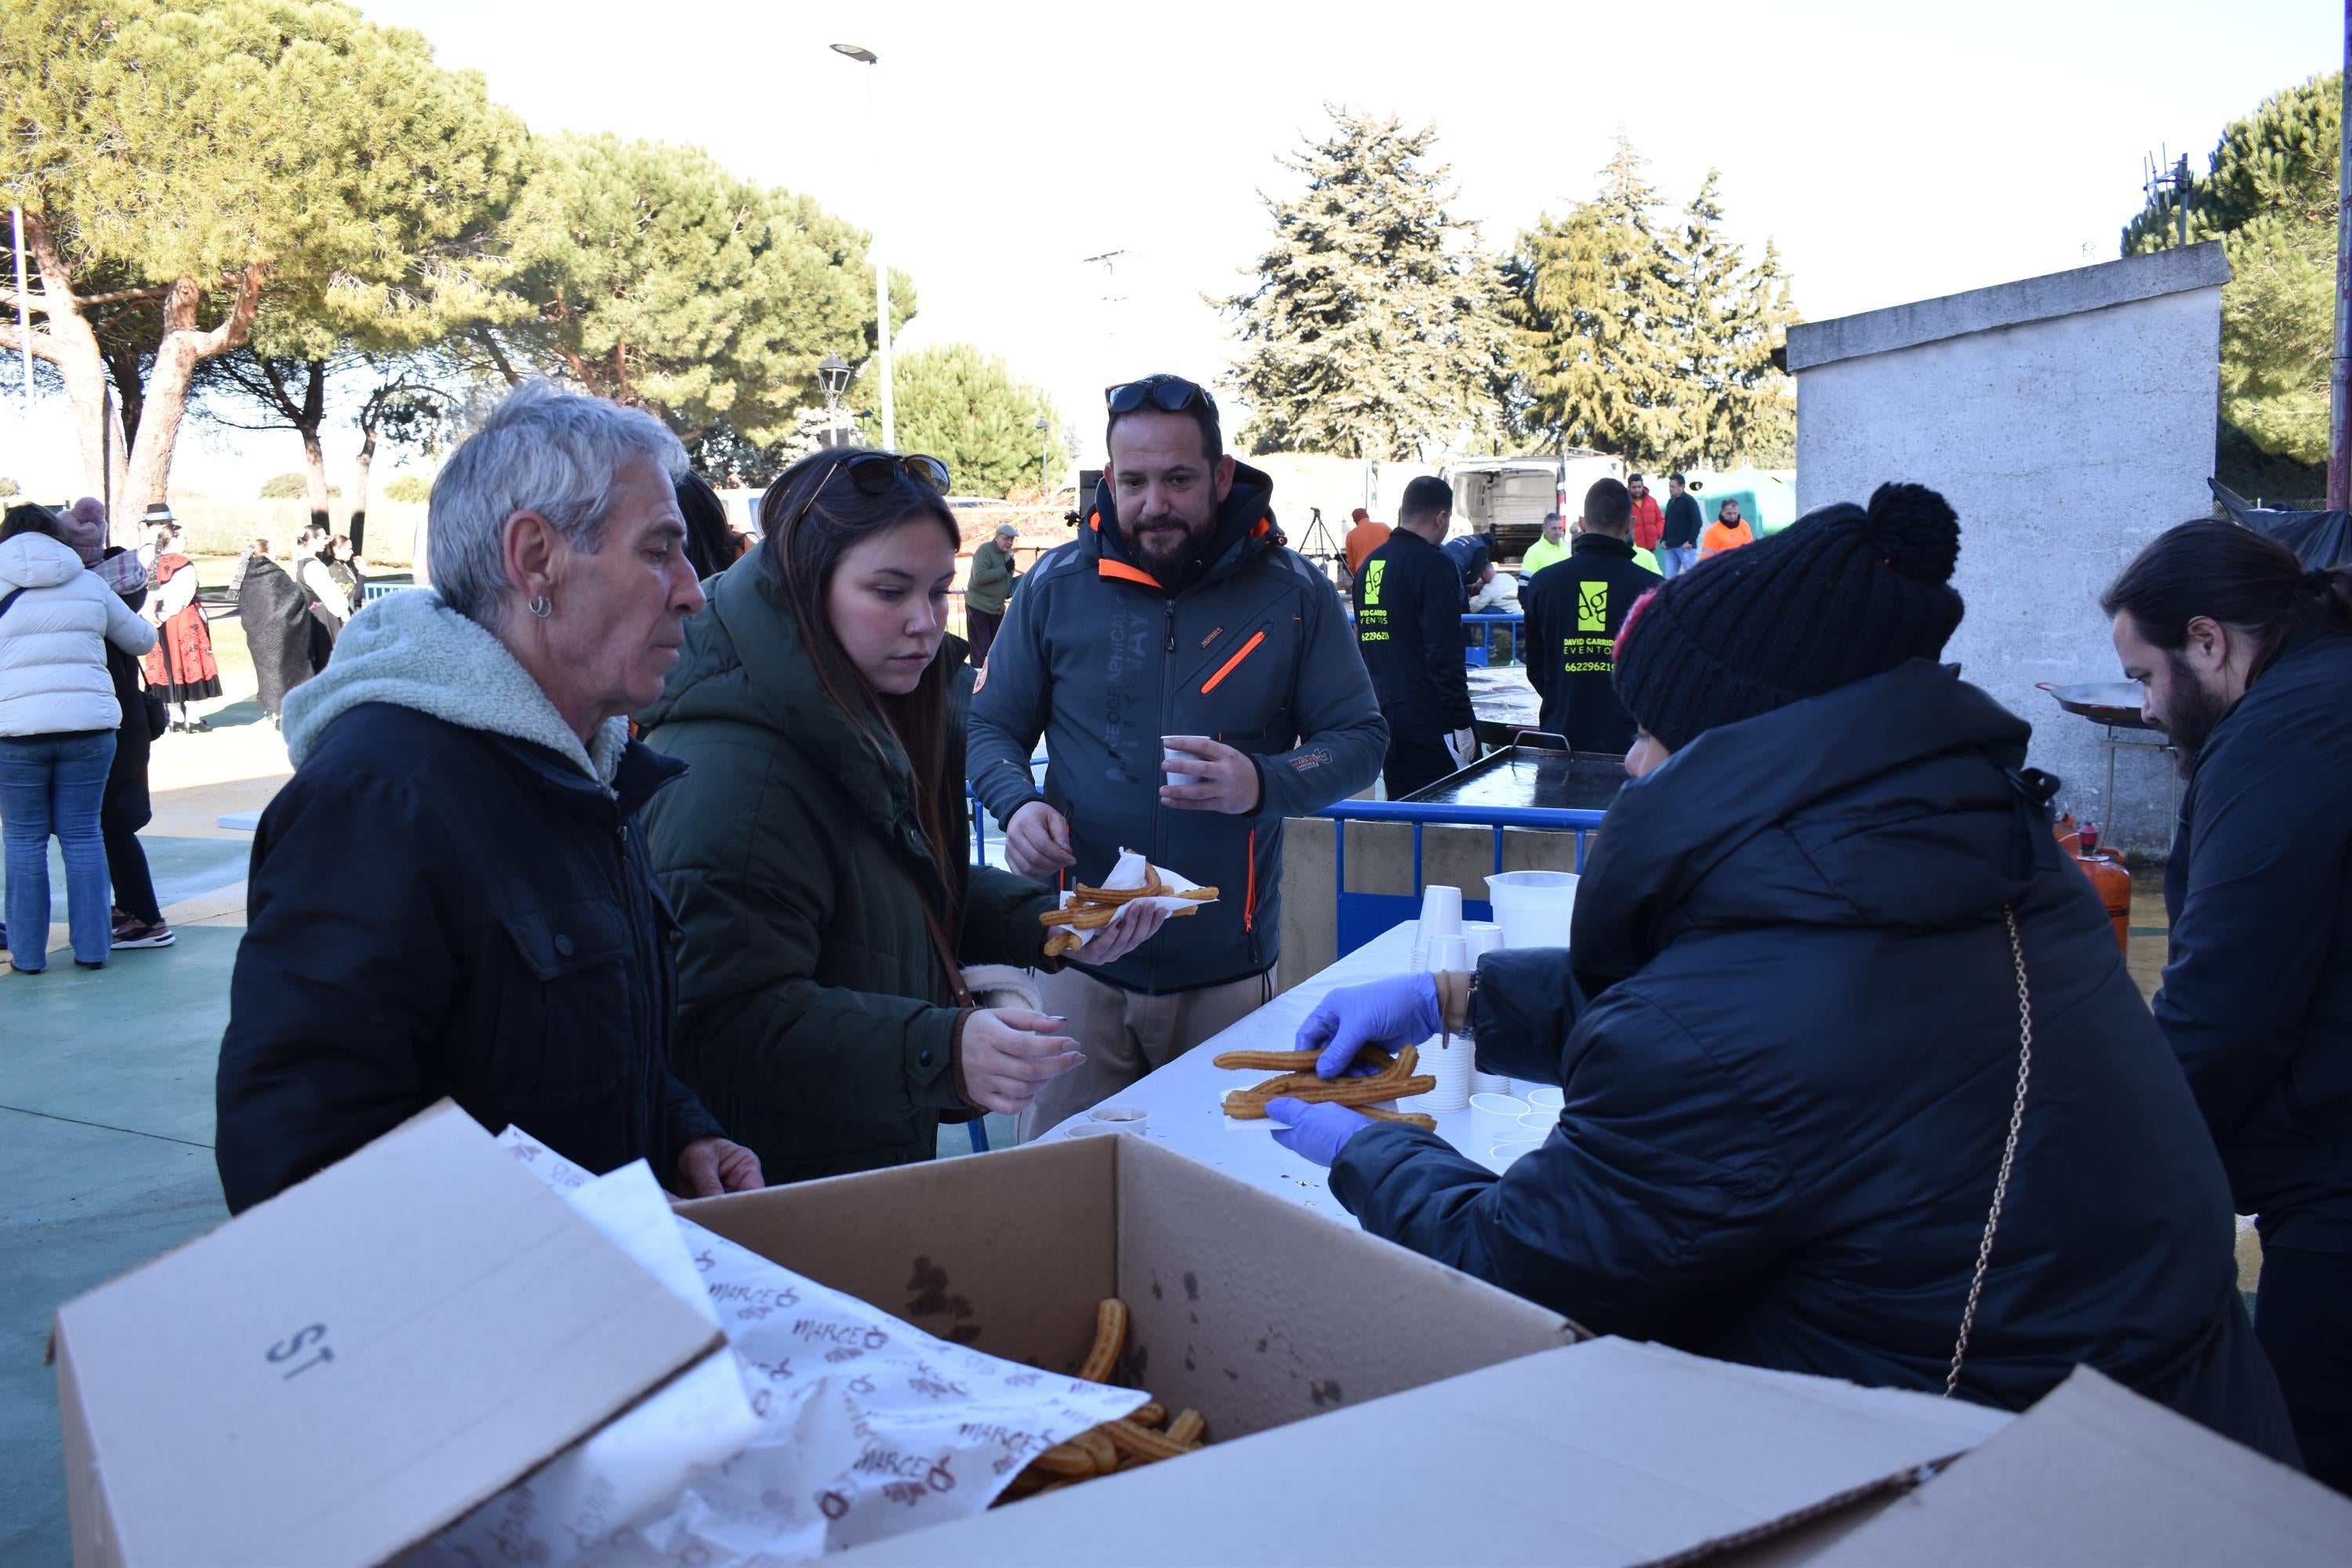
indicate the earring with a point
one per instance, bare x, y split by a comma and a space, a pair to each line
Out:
542, 606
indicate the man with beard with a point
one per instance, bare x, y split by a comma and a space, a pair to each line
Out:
1174, 620
2245, 661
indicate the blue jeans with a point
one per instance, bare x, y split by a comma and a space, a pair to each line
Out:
1674, 560
53, 785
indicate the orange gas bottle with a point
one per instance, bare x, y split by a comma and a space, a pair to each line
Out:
2105, 868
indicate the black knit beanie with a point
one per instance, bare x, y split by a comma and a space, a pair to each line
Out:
1843, 593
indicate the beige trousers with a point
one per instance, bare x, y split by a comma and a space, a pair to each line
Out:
1125, 1035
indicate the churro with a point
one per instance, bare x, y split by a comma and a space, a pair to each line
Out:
1135, 1441
1189, 1429
1065, 1459
1110, 1337
1100, 1449
1420, 1119
1249, 1105
1293, 1061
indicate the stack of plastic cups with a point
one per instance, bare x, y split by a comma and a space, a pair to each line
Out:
1441, 915
1482, 937
1446, 1058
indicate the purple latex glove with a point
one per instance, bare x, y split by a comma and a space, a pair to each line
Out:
1388, 1012
1316, 1133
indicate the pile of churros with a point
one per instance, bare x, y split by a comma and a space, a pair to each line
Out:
1121, 1445
1394, 1080
1091, 908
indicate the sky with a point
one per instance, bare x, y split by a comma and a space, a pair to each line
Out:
1893, 153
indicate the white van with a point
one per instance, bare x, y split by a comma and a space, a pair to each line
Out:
1508, 496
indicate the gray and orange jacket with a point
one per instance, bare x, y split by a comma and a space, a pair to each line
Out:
1102, 660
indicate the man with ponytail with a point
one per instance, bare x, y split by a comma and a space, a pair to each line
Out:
1855, 1082
2245, 660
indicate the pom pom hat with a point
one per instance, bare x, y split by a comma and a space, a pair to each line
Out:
1843, 593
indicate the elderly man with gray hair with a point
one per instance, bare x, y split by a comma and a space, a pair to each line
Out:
451, 896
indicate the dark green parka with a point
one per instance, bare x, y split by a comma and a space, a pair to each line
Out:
812, 1014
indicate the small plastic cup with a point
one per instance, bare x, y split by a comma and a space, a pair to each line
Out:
1546, 1098
1441, 911
1120, 1118
1494, 1117
1168, 753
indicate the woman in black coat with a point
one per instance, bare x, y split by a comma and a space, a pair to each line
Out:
1792, 1029
276, 611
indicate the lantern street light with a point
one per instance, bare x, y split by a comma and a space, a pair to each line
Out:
833, 375
866, 57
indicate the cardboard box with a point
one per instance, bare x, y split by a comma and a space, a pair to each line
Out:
334, 1374
2095, 1474
1607, 1452
1244, 1307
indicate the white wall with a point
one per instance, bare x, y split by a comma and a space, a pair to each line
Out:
2065, 444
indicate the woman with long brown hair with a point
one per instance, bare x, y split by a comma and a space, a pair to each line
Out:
817, 852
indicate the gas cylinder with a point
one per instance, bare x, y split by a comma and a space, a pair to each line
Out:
2105, 868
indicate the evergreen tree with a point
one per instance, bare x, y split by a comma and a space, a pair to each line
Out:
2271, 199
1371, 330
965, 408
1732, 406
1596, 346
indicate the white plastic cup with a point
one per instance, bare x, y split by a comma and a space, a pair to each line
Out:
1546, 1098
1494, 1117
1168, 753
1503, 1154
1448, 954
1488, 1083
1534, 907
1441, 911
1448, 1061
1120, 1118
1482, 937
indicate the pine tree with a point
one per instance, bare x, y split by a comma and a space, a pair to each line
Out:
1732, 406
2270, 197
1372, 331
1594, 312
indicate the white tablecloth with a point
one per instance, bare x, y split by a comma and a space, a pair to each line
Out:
1185, 1099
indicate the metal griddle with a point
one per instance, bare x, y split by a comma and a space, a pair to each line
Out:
1530, 775
2114, 703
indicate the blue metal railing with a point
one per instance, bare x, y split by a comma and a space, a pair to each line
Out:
1360, 916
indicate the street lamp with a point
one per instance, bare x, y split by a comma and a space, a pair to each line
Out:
833, 375
866, 57
1044, 456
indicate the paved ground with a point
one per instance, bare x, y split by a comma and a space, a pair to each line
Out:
106, 1090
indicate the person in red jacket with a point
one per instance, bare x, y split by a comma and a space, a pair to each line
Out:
1649, 522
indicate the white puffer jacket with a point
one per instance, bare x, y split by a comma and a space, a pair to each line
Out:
53, 640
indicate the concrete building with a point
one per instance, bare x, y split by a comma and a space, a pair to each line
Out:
2069, 419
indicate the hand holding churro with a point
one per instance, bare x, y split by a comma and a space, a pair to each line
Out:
1120, 913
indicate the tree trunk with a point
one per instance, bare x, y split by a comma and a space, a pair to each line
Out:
360, 467
68, 342
312, 414
177, 355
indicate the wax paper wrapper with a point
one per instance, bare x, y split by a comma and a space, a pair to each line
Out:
1130, 873
860, 1425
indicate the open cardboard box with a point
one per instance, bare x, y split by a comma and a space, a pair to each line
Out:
1243, 1307
335, 1374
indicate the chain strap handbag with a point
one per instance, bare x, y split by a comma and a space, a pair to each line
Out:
2008, 1154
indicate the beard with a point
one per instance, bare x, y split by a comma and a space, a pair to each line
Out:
2190, 716
1170, 555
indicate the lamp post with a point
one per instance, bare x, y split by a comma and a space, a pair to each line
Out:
1044, 456
867, 57
833, 375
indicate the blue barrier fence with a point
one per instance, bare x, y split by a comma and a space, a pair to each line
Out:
1360, 916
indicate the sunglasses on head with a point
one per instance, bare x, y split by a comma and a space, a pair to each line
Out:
874, 472
1171, 394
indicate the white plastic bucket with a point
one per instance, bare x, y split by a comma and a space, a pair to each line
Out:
1534, 907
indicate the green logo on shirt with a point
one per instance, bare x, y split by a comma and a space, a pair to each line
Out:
1373, 572
1593, 606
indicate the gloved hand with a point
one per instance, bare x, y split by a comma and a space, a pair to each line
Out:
1315, 1131
1462, 745
1403, 1010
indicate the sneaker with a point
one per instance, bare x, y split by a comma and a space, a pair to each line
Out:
141, 933
198, 727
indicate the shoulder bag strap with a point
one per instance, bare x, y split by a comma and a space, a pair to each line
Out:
947, 954
12, 599
2008, 1154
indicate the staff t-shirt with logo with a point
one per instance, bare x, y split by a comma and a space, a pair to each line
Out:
1574, 611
